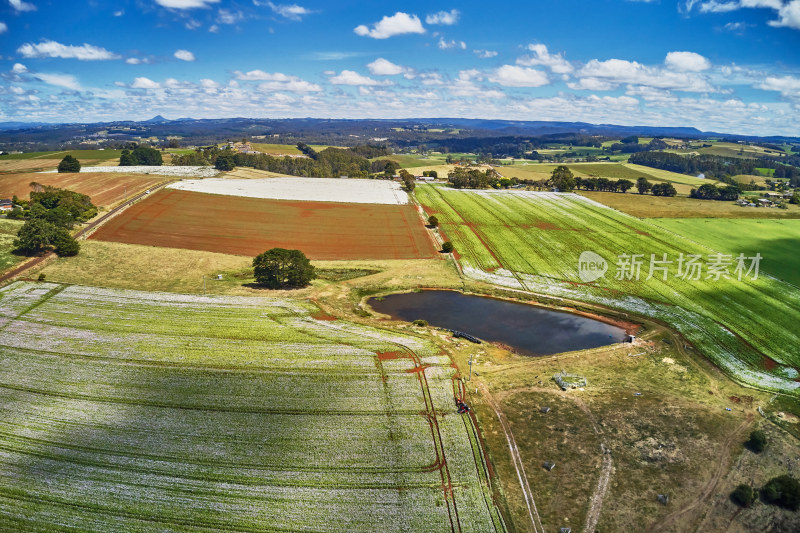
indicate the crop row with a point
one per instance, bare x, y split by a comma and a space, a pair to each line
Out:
538, 239
137, 411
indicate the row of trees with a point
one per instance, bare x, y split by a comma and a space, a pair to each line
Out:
328, 163
709, 191
140, 155
472, 178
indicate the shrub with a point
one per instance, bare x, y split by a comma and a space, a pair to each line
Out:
743, 495
757, 442
448, 247
420, 322
783, 491
433, 221
69, 164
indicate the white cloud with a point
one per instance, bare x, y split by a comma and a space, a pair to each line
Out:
514, 76
592, 84
3, 28
20, 5
213, 28
349, 77
86, 52
398, 24
447, 45
446, 18
226, 16
60, 80
19, 68
687, 62
144, 83
485, 54
289, 11
133, 61
278, 81
184, 55
788, 86
384, 67
119, 13
540, 56
185, 4
619, 71
788, 13
208, 84
789, 16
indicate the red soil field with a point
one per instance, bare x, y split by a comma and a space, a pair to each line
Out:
249, 226
103, 188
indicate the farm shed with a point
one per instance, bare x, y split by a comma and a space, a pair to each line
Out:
548, 465
6, 205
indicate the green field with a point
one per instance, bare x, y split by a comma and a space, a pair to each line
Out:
79, 154
533, 241
134, 411
8, 232
776, 240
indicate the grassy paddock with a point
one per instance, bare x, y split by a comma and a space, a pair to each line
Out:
533, 241
649, 206
8, 232
775, 240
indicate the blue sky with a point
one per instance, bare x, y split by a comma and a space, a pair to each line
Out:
721, 65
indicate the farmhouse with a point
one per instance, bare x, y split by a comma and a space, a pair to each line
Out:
6, 205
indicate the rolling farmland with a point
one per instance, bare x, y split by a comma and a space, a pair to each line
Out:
533, 241
103, 188
776, 240
136, 411
248, 226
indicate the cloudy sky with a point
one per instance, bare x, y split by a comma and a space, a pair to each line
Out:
718, 65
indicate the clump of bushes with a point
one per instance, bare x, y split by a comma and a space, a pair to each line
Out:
757, 442
783, 491
743, 495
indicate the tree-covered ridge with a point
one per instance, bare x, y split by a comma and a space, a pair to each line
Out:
713, 166
327, 163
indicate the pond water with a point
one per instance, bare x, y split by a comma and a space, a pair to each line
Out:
528, 329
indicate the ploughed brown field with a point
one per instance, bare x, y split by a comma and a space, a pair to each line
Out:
249, 226
103, 188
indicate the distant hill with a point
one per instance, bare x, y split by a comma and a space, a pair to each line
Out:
337, 132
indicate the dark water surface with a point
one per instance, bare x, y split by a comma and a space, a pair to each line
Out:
528, 329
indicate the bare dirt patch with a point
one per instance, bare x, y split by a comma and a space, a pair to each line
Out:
103, 188
248, 226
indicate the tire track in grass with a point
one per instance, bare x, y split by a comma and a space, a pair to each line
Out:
533, 513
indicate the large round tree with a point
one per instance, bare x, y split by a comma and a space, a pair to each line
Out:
69, 164
281, 268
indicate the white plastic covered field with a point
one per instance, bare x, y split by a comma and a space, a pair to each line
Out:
357, 191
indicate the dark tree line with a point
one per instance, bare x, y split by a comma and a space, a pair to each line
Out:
328, 163
465, 178
709, 191
140, 155
714, 166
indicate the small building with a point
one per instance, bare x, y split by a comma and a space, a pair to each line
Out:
631, 339
6, 205
764, 202
663, 499
548, 465
544, 410
565, 530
